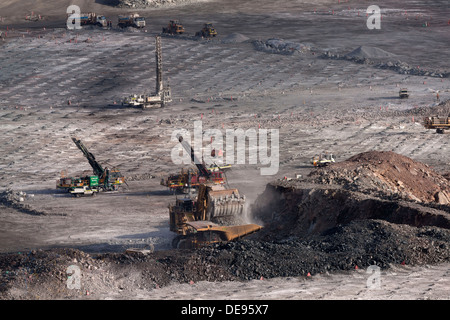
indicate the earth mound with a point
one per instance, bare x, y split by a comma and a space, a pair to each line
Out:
280, 46
371, 185
366, 52
235, 38
389, 175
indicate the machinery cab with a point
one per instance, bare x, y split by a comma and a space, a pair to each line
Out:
180, 213
139, 22
403, 93
101, 21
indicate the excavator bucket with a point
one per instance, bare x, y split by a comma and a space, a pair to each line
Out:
224, 203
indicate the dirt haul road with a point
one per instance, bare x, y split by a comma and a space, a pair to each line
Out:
312, 70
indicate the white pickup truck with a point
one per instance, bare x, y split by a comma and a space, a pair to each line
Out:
83, 191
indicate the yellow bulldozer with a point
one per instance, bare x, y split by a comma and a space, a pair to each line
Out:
174, 27
208, 31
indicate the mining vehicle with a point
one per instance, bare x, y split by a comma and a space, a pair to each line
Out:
107, 179
33, 17
438, 123
187, 180
207, 31
163, 94
195, 219
202, 233
190, 179
322, 160
209, 218
83, 191
91, 18
131, 20
174, 27
403, 93
89, 187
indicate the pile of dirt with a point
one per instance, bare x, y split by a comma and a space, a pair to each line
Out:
383, 60
387, 175
356, 244
18, 200
280, 46
365, 52
371, 185
40, 274
442, 110
235, 38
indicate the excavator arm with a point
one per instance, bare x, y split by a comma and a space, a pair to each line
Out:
200, 166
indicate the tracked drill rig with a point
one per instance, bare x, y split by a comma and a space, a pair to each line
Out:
104, 179
108, 179
163, 93
207, 218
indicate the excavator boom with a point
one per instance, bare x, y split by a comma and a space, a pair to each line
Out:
200, 166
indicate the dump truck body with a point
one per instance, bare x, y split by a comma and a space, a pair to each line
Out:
202, 233
438, 123
210, 217
213, 203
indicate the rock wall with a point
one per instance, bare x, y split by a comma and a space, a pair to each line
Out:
366, 186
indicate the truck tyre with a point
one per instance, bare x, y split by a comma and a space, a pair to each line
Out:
176, 241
